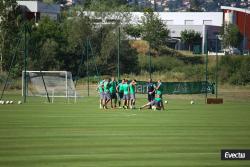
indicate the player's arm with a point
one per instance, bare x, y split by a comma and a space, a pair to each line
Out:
157, 87
153, 90
117, 88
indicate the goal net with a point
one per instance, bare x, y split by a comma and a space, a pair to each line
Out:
57, 83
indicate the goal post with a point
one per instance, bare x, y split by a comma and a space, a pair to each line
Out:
52, 83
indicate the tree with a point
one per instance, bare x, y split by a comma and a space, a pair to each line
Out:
49, 58
231, 36
107, 5
134, 31
190, 37
77, 31
154, 30
9, 31
195, 6
45, 45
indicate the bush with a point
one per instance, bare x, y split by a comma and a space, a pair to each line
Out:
235, 70
245, 71
192, 72
164, 51
165, 63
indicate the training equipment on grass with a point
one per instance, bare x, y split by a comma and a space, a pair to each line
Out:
166, 102
191, 102
19, 102
51, 83
11, 102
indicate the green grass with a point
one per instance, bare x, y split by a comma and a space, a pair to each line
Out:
71, 135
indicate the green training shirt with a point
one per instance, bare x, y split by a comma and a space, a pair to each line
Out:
100, 86
120, 87
160, 89
112, 88
158, 99
132, 89
106, 86
125, 88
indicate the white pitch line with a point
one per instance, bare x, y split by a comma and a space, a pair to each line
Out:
131, 115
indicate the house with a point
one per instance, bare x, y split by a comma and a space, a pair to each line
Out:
241, 18
37, 10
208, 24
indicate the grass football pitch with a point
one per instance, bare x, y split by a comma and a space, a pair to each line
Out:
70, 135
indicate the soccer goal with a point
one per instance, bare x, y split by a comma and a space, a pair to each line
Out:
44, 83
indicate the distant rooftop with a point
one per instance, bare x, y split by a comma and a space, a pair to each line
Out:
235, 9
37, 6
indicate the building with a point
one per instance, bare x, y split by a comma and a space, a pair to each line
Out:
37, 10
241, 18
208, 24
72, 2
157, 5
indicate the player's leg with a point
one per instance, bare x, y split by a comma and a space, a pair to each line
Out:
111, 100
101, 99
151, 97
120, 98
124, 101
149, 100
147, 104
115, 97
132, 100
162, 105
107, 99
104, 100
128, 100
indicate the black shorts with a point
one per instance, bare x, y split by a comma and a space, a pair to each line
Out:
120, 94
151, 97
113, 96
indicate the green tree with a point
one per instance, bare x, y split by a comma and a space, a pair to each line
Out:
49, 52
134, 31
195, 6
77, 31
189, 37
154, 30
9, 31
107, 5
231, 36
104, 39
45, 45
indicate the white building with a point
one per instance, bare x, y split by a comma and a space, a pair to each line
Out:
37, 10
208, 24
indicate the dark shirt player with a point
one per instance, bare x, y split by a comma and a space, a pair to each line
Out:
151, 91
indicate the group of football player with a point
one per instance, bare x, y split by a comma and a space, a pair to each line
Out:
123, 92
